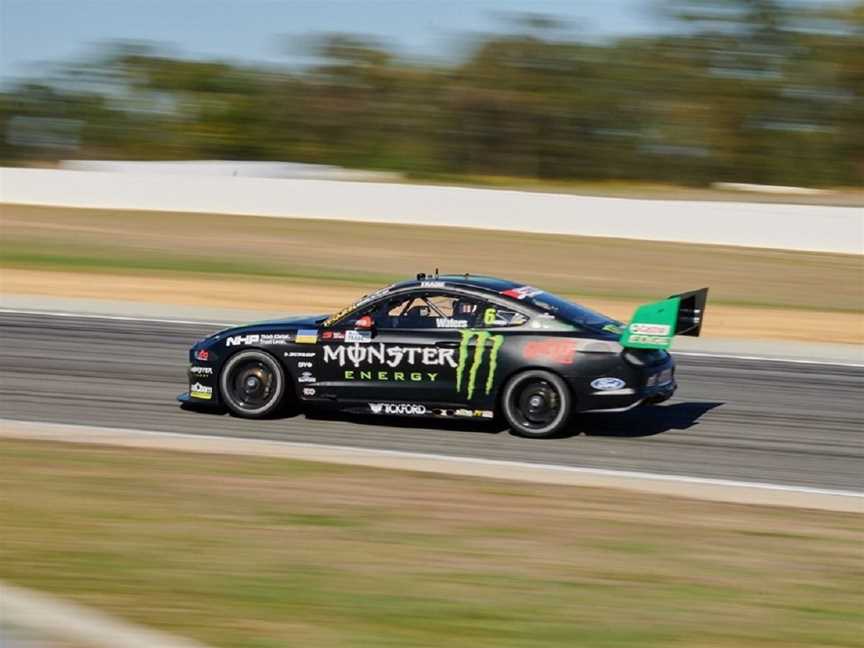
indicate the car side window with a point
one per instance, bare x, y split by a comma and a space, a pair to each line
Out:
429, 311
498, 316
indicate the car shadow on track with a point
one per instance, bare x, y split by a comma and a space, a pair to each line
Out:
643, 421
639, 422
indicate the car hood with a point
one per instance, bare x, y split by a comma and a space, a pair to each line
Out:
283, 324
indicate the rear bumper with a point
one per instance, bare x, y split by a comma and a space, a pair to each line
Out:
648, 385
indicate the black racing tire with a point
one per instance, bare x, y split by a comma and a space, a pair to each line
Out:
536, 404
252, 384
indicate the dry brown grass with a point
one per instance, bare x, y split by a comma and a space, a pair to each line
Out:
304, 265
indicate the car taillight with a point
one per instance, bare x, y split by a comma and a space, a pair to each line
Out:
202, 354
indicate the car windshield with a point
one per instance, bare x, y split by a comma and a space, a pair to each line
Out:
573, 313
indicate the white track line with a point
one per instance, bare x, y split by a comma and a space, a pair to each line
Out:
130, 318
707, 488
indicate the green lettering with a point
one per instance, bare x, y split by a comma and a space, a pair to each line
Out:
349, 375
365, 375
382, 375
416, 377
432, 376
399, 375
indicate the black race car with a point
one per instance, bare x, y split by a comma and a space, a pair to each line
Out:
449, 346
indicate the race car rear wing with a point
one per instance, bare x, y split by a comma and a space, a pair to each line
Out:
654, 325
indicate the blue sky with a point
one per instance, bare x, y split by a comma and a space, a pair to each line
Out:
36, 32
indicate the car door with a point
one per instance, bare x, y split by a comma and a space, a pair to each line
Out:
410, 353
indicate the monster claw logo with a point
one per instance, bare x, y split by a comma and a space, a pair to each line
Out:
480, 337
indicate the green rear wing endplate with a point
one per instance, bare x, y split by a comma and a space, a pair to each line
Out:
654, 325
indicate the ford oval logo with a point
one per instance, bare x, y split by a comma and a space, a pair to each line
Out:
607, 384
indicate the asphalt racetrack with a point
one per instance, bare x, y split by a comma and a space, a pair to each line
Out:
751, 420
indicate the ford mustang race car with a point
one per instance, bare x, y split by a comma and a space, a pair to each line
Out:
449, 346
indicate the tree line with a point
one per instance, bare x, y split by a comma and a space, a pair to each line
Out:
742, 90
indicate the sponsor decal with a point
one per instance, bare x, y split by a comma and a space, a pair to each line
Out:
202, 355
304, 364
354, 337
201, 371
307, 336
521, 293
477, 359
332, 335
197, 390
398, 409
607, 383
447, 322
660, 340
474, 413
391, 376
559, 350
391, 356
307, 377
237, 340
431, 284
651, 329
259, 338
308, 391
300, 354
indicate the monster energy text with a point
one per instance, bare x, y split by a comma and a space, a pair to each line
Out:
480, 337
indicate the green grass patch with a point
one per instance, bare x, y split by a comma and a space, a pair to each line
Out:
239, 552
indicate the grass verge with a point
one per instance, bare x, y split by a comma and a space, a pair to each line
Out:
260, 553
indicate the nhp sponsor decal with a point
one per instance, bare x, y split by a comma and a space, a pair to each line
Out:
197, 390
398, 409
477, 359
607, 383
560, 350
258, 338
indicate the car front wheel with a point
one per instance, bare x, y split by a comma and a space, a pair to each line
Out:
536, 404
252, 384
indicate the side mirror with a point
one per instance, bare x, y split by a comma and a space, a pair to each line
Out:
365, 323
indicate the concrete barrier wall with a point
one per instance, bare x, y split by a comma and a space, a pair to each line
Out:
790, 227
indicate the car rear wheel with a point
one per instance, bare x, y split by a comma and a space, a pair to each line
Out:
536, 404
252, 384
